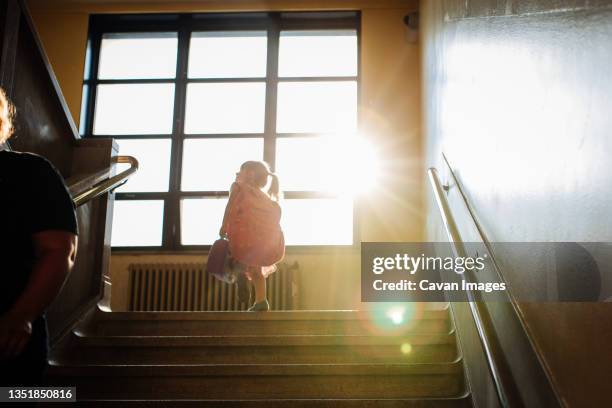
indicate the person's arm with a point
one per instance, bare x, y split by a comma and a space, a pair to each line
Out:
232, 197
55, 254
52, 225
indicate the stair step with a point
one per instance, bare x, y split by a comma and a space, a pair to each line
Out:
277, 322
264, 340
258, 349
272, 315
262, 381
202, 370
463, 401
250, 355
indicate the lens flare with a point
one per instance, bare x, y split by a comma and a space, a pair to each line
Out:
406, 348
396, 314
393, 318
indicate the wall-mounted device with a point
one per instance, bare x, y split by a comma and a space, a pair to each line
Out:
411, 21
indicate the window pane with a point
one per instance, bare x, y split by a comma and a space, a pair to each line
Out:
137, 223
128, 109
318, 53
339, 164
317, 221
211, 164
317, 107
83, 116
225, 108
229, 54
201, 219
302, 163
138, 56
153, 157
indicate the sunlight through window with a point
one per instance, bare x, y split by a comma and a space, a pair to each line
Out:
301, 161
317, 107
154, 164
137, 223
138, 55
341, 164
225, 108
134, 109
318, 221
228, 54
318, 53
201, 219
244, 91
211, 164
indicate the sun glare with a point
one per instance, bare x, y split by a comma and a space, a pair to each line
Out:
396, 314
353, 165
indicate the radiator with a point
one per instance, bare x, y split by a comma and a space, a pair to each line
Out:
187, 287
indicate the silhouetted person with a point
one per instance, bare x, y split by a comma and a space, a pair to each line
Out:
38, 240
252, 224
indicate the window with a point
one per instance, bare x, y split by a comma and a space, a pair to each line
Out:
192, 96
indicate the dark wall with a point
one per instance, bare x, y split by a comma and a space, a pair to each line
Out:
42, 125
517, 94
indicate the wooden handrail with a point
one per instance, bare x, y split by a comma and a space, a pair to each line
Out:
105, 185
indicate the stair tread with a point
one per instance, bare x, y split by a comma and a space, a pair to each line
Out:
461, 400
263, 340
244, 323
151, 370
271, 315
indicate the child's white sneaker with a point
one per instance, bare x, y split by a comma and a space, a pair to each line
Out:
262, 306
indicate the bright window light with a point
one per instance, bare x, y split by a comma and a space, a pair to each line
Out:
137, 223
83, 114
138, 55
211, 164
301, 163
201, 219
221, 108
314, 163
220, 97
153, 157
357, 170
318, 53
133, 109
317, 221
228, 54
317, 107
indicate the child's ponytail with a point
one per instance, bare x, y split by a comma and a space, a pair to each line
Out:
274, 190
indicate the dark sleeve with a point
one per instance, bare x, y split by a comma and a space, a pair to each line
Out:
50, 203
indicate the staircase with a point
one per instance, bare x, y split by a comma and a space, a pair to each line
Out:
274, 359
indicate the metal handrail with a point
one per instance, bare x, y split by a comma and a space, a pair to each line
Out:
109, 184
505, 386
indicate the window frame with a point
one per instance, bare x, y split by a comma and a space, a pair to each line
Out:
184, 24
